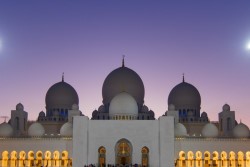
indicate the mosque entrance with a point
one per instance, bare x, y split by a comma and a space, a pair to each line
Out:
123, 152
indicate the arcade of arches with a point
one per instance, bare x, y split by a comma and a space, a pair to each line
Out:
38, 159
213, 159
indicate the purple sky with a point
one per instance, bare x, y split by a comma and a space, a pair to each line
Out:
161, 40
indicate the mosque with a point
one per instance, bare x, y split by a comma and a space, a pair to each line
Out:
123, 131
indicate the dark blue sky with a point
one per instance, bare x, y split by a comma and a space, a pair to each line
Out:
161, 40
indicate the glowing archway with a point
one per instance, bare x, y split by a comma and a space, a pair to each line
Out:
248, 159
123, 150
102, 156
22, 158
65, 159
13, 158
215, 160
5, 158
190, 155
198, 157
30, 160
182, 159
240, 159
47, 159
145, 156
207, 159
223, 159
56, 159
232, 159
39, 158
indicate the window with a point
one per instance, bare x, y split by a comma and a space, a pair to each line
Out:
102, 156
17, 123
144, 157
228, 123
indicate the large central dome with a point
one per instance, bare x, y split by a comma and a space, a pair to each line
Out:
120, 80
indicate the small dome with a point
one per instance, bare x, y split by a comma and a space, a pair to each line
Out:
241, 131
42, 114
204, 115
151, 112
19, 107
226, 107
185, 96
36, 129
210, 130
94, 113
180, 130
171, 107
61, 95
6, 130
120, 80
67, 129
101, 108
144, 109
75, 107
123, 104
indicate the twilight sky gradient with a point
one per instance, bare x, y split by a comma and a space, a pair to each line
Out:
206, 40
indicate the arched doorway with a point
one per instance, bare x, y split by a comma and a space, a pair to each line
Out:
102, 156
123, 152
144, 156
207, 159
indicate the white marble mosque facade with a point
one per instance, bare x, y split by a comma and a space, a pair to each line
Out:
123, 131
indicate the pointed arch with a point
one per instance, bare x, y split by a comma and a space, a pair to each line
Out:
123, 152
215, 159
47, 159
248, 159
145, 156
182, 159
22, 158
5, 158
190, 157
30, 160
56, 159
102, 156
223, 156
207, 159
198, 158
13, 158
39, 158
240, 159
232, 159
65, 159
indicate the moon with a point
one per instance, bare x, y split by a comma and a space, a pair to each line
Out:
1, 45
248, 46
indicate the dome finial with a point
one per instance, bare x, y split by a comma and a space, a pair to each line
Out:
183, 77
63, 77
123, 57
